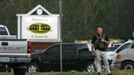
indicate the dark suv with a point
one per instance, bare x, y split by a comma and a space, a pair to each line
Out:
75, 57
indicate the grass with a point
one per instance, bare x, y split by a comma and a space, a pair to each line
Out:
115, 72
121, 72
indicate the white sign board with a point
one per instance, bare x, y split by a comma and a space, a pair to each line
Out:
39, 27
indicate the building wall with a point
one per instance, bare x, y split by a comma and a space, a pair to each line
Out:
40, 45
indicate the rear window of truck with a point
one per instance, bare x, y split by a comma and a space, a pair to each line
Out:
3, 31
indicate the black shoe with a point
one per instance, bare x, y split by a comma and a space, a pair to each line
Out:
109, 74
98, 73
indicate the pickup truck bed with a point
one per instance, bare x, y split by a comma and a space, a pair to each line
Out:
14, 54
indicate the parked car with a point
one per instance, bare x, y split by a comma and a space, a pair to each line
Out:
75, 57
115, 44
111, 54
14, 53
125, 56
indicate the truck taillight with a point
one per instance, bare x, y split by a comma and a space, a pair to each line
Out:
118, 56
29, 47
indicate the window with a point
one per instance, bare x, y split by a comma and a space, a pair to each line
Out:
52, 53
69, 51
123, 47
3, 31
84, 50
69, 47
53, 49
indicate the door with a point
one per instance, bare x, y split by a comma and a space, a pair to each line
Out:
131, 52
85, 57
124, 50
51, 59
69, 56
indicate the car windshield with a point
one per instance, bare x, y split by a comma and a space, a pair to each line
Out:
3, 31
116, 46
111, 48
123, 47
38, 50
82, 46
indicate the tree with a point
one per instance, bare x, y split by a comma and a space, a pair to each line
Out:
80, 16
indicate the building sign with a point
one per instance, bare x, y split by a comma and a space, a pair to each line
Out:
39, 25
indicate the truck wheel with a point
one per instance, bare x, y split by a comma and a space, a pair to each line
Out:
19, 71
33, 68
103, 67
90, 68
127, 65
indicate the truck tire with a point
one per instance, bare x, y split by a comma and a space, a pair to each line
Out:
19, 71
90, 68
33, 67
127, 65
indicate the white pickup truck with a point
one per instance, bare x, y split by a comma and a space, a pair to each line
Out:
14, 53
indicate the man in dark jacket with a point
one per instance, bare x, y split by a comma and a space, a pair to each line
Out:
100, 42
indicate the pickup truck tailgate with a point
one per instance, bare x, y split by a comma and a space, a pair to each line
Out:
13, 46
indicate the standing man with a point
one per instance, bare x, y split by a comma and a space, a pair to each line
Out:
100, 42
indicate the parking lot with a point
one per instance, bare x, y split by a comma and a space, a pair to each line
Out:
66, 37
